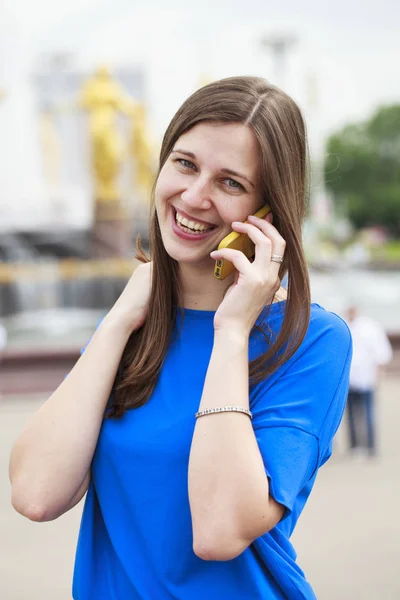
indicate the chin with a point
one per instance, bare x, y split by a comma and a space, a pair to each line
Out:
182, 256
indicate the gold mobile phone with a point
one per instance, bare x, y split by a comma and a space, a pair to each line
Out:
237, 241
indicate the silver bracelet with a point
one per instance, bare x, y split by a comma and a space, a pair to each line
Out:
209, 411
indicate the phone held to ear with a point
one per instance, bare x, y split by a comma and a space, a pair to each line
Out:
237, 241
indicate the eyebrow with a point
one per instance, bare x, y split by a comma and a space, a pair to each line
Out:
227, 171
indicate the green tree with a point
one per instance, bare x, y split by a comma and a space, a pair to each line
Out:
362, 169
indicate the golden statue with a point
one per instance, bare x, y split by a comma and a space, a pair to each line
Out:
142, 153
104, 99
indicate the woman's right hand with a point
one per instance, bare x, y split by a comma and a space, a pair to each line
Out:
132, 305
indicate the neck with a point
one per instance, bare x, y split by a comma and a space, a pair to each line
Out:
202, 291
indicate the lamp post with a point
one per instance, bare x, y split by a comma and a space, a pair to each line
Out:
279, 45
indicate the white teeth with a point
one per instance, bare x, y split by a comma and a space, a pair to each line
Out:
188, 230
192, 225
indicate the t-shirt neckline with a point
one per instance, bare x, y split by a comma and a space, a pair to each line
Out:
207, 314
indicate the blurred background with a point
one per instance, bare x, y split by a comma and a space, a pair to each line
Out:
87, 89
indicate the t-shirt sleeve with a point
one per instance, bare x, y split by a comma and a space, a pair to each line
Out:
290, 458
297, 411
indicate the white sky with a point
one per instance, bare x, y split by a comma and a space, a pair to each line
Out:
353, 51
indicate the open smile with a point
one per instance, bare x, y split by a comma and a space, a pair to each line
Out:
188, 228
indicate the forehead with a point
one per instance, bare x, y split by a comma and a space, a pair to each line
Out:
225, 145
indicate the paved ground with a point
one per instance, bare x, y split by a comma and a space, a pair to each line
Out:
348, 538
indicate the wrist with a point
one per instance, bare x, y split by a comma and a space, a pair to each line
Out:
236, 337
120, 322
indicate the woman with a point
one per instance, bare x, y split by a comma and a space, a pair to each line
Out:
182, 507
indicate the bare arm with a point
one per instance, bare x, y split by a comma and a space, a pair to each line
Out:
51, 458
80, 493
228, 486
50, 461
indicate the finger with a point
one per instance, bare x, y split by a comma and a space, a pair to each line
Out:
237, 258
278, 243
262, 243
269, 230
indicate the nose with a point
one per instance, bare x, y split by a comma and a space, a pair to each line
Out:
197, 194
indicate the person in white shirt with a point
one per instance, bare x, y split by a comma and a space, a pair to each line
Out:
3, 344
371, 350
3, 338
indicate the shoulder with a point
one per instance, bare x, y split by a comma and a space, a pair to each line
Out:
326, 332
322, 319
309, 390
320, 367
326, 329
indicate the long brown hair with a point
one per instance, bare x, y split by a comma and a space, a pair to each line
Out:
280, 130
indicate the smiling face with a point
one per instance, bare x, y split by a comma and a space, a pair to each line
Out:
211, 178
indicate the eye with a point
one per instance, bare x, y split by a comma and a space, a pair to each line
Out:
233, 184
186, 164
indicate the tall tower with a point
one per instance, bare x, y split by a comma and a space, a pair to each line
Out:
279, 45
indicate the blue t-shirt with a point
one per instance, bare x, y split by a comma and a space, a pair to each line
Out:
135, 540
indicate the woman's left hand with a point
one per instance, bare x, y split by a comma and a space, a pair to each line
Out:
256, 282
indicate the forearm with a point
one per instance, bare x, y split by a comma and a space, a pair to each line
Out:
53, 454
228, 487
